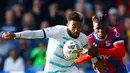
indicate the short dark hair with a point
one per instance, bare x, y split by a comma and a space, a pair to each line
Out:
75, 16
99, 19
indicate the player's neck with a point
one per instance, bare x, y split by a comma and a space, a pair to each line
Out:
68, 31
99, 38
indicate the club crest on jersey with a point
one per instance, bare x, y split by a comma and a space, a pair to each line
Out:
107, 43
116, 33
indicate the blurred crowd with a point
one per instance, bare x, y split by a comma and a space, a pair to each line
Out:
21, 15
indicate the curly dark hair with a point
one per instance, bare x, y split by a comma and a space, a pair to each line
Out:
99, 19
75, 16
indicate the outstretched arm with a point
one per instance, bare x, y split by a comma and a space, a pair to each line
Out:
24, 34
43, 33
31, 34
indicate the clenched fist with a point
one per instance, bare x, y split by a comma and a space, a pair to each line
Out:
93, 50
8, 35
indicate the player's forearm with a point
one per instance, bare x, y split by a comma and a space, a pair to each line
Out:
118, 50
30, 34
83, 58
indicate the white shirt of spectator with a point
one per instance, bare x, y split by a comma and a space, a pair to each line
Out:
11, 65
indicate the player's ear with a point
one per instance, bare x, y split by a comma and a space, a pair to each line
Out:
93, 17
67, 23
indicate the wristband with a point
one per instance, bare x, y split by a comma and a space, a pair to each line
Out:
18, 35
94, 60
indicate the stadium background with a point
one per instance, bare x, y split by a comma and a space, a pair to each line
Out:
28, 55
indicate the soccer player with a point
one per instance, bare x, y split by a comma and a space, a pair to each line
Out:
110, 47
58, 35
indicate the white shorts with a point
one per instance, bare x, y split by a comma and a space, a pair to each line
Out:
49, 68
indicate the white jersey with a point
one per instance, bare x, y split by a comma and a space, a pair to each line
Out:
57, 35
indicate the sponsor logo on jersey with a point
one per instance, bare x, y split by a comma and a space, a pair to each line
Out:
104, 56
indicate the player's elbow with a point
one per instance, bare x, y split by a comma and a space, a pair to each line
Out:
76, 61
121, 49
122, 54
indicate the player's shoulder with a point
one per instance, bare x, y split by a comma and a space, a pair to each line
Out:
82, 35
83, 39
115, 33
60, 27
90, 38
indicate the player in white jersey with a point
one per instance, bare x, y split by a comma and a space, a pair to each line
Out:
58, 35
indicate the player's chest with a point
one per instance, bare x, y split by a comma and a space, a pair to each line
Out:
104, 43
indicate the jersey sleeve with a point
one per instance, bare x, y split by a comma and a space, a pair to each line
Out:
54, 32
90, 39
50, 32
30, 34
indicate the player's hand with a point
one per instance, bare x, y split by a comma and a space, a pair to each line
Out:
100, 66
93, 50
8, 35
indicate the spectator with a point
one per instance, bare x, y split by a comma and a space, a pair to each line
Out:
38, 54
127, 26
54, 17
98, 7
24, 49
36, 10
127, 61
14, 62
44, 24
81, 1
9, 24
79, 7
121, 13
4, 49
18, 9
28, 21
112, 17
88, 21
67, 12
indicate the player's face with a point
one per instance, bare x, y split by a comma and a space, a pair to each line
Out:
75, 27
100, 30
